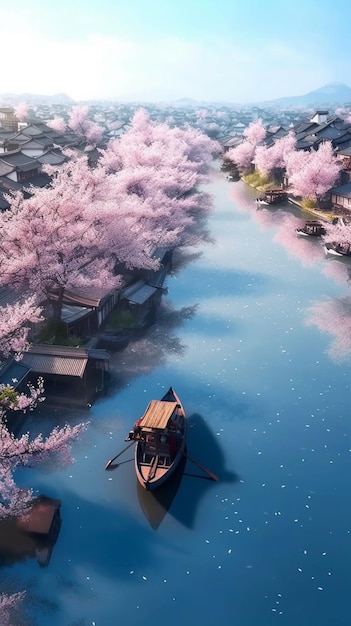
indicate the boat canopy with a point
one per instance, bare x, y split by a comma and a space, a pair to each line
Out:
157, 414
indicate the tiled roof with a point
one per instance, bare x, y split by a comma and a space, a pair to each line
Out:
16, 158
27, 167
5, 168
8, 184
51, 157
61, 360
344, 190
138, 293
51, 364
91, 298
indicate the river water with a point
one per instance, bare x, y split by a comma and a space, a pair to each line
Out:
248, 335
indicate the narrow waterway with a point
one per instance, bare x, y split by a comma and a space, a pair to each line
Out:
267, 396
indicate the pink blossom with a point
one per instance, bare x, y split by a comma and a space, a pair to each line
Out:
275, 156
332, 316
27, 451
79, 122
312, 174
242, 155
21, 111
8, 604
256, 132
13, 325
58, 124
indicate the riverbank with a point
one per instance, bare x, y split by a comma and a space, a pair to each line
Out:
324, 215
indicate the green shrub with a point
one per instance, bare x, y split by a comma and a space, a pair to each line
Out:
8, 396
258, 180
309, 203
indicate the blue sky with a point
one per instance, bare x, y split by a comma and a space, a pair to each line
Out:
211, 50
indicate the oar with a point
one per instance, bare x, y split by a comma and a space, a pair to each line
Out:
210, 474
109, 463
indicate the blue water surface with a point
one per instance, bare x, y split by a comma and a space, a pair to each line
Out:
268, 411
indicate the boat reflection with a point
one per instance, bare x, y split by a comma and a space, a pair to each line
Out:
190, 481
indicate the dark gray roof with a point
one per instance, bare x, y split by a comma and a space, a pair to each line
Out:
37, 142
16, 158
8, 184
71, 313
27, 167
5, 168
343, 190
6, 134
138, 293
344, 151
51, 157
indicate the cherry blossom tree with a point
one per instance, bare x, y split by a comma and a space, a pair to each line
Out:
14, 320
255, 132
61, 236
267, 158
340, 233
243, 154
79, 123
157, 171
333, 317
58, 124
24, 451
21, 111
145, 192
312, 174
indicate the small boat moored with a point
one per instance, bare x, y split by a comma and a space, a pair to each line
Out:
312, 228
160, 439
334, 249
274, 196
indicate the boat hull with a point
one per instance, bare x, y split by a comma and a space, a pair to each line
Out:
156, 460
311, 229
335, 251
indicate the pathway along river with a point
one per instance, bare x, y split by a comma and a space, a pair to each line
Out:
268, 408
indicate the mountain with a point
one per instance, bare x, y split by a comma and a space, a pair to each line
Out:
334, 93
11, 99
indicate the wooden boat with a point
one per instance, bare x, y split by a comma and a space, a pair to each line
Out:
160, 438
274, 196
335, 249
312, 228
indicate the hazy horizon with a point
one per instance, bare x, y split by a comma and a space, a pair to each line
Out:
205, 50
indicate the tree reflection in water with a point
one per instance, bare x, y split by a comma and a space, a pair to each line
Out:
151, 348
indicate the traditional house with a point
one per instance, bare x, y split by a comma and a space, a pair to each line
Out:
84, 312
72, 376
8, 119
341, 198
18, 167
